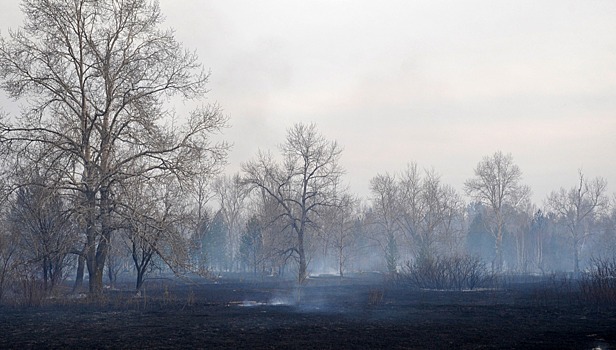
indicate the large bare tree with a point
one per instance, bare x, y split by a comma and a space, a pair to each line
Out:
497, 185
576, 206
95, 76
303, 184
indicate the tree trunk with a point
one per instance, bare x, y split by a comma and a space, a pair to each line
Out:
93, 287
140, 275
341, 263
254, 262
576, 256
45, 275
94, 272
498, 259
98, 254
111, 275
96, 282
391, 254
81, 264
499, 245
302, 258
540, 253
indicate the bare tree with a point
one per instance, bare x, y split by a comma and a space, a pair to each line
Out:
421, 209
231, 195
429, 210
302, 185
343, 231
251, 247
412, 210
537, 234
200, 191
118, 260
610, 225
152, 219
576, 207
45, 230
497, 185
519, 226
608, 242
387, 212
94, 74
453, 223
275, 235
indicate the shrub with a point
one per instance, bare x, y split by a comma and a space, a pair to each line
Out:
459, 272
375, 296
599, 282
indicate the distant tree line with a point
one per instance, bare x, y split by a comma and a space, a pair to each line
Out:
411, 216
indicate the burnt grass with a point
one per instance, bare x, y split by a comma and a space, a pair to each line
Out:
362, 311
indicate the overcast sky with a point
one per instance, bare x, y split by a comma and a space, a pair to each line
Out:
441, 83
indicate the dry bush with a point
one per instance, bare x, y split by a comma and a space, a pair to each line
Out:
375, 296
31, 290
556, 289
598, 284
191, 298
459, 272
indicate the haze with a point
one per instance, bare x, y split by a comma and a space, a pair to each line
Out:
439, 83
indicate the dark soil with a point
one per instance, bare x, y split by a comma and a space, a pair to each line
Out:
326, 313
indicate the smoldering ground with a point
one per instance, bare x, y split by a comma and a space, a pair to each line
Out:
358, 311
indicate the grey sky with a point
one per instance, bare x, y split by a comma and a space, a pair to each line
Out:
442, 83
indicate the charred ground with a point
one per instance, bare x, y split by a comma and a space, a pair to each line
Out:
327, 312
